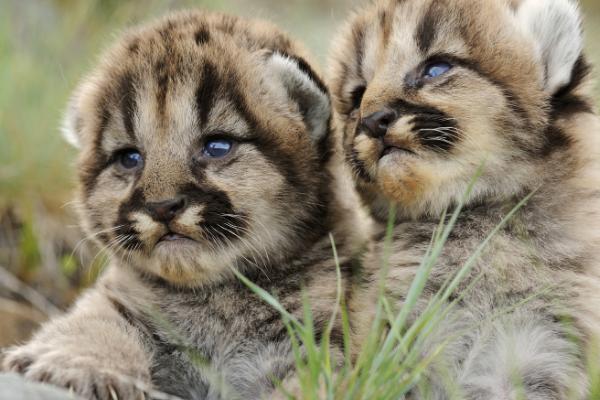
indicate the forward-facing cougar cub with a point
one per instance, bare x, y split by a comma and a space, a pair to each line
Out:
430, 90
205, 147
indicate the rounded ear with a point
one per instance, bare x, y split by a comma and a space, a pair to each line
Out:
71, 123
305, 88
556, 28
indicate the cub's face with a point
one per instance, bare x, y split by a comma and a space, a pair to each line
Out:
430, 90
202, 142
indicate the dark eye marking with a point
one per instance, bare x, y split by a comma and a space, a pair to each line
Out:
357, 95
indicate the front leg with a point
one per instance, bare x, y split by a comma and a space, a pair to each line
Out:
93, 350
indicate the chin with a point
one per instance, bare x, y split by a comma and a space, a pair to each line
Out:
417, 186
184, 263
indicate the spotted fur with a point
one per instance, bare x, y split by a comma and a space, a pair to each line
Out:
169, 313
516, 101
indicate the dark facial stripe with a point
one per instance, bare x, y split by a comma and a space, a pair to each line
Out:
128, 238
167, 67
427, 29
358, 37
220, 221
126, 94
386, 19
339, 89
433, 127
207, 92
91, 167
162, 80
357, 96
126, 231
358, 167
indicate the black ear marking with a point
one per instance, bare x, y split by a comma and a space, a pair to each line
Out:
304, 87
567, 101
307, 69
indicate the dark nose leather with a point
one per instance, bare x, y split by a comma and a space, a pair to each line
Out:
377, 124
166, 211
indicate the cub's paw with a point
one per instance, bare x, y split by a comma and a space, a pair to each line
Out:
85, 374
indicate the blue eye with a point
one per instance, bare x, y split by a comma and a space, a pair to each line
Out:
217, 148
131, 159
436, 69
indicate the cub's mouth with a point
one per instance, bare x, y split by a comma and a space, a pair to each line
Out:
174, 237
390, 146
387, 150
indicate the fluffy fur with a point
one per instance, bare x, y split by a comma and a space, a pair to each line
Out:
513, 95
168, 314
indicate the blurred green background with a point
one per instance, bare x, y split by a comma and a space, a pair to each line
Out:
45, 47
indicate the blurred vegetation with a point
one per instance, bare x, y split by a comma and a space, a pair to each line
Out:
45, 48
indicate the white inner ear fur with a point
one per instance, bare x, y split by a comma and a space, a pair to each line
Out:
313, 103
68, 126
556, 28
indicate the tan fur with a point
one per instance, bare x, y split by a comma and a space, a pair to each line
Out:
496, 107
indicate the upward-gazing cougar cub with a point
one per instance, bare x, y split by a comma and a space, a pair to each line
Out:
205, 147
430, 90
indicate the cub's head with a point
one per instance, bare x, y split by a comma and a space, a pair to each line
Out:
430, 90
202, 140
